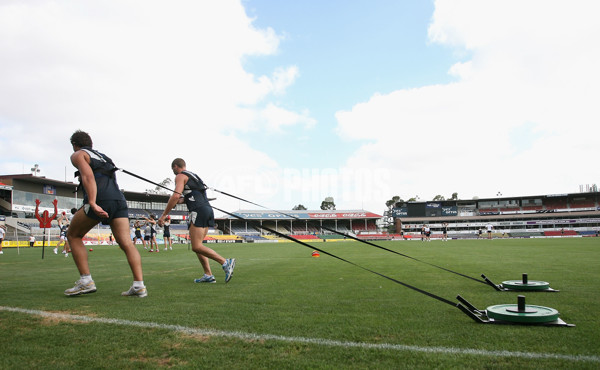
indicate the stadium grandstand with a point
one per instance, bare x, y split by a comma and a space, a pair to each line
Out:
568, 215
305, 225
556, 215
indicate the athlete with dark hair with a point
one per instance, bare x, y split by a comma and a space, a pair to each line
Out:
102, 202
201, 217
167, 233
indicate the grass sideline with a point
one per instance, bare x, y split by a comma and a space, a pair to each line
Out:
280, 292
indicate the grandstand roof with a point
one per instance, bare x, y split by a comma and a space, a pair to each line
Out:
304, 215
34, 179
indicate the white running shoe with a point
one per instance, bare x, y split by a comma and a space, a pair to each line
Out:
81, 288
206, 279
228, 268
66, 254
55, 250
136, 292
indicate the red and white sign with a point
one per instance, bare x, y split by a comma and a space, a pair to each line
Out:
344, 215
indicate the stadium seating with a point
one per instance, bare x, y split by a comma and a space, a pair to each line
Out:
360, 226
560, 233
488, 211
254, 238
555, 204
306, 228
582, 204
305, 237
242, 230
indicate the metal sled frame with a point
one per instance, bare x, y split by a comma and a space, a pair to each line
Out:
481, 317
501, 288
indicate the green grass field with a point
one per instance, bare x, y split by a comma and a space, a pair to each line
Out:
285, 309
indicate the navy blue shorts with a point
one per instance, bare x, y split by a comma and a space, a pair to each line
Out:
114, 208
201, 217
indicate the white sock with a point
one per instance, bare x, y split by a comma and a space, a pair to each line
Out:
138, 284
86, 278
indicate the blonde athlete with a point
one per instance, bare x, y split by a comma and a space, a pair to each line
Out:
201, 217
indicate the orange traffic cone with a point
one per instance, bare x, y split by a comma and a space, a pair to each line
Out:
316, 254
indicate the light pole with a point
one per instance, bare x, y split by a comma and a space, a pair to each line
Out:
35, 169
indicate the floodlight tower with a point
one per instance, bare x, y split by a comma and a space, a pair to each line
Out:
35, 169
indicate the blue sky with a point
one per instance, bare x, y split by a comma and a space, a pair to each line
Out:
287, 103
345, 51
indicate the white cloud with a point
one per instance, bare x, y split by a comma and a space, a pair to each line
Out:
283, 78
149, 80
532, 62
276, 118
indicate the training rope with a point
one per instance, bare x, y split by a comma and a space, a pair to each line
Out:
351, 237
441, 299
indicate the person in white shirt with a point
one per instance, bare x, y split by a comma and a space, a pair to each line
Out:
489, 230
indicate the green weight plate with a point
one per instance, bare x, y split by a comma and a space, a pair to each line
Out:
532, 314
531, 285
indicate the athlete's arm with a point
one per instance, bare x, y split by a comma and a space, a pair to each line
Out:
175, 198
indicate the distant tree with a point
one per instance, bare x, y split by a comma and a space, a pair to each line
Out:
454, 196
299, 207
159, 189
413, 199
392, 202
328, 204
438, 198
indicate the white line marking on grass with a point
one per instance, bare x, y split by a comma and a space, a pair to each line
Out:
316, 341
